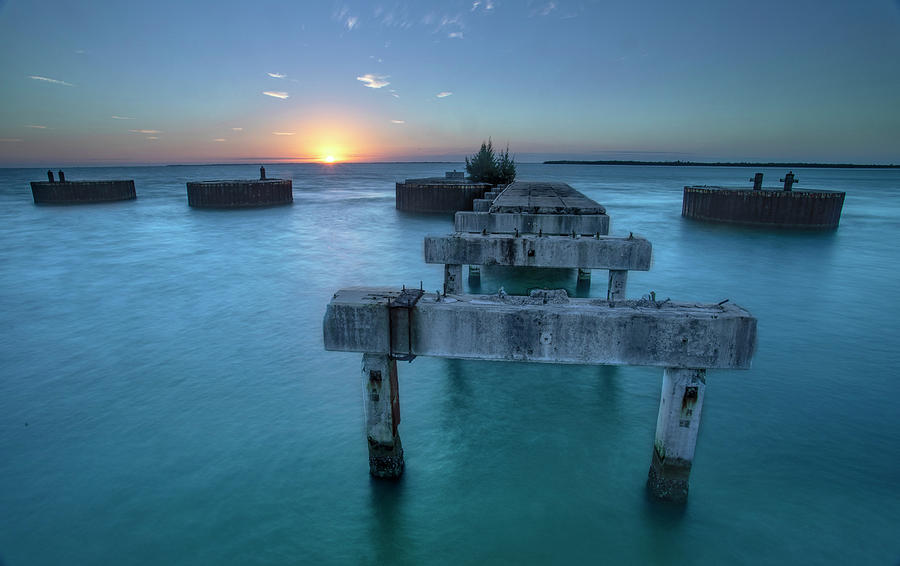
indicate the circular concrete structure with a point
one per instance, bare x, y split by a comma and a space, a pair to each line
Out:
77, 192
240, 194
818, 210
438, 194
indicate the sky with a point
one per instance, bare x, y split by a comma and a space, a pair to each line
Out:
107, 82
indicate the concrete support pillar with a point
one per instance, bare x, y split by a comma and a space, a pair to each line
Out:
617, 281
474, 272
452, 279
676, 433
584, 274
382, 401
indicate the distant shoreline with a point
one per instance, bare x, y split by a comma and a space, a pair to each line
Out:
725, 164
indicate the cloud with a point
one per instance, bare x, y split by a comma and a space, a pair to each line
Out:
237, 129
219, 140
10, 140
373, 81
444, 94
80, 52
277, 75
49, 80
398, 121
455, 35
145, 131
152, 138
276, 94
488, 6
282, 133
36, 127
352, 22
546, 9
121, 118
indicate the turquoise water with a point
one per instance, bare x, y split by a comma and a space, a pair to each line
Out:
165, 397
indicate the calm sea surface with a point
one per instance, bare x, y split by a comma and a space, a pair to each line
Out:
165, 397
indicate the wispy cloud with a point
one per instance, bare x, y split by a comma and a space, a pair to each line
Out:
282, 133
394, 93
444, 94
80, 52
121, 118
49, 80
398, 121
145, 131
36, 127
486, 6
219, 140
455, 35
237, 129
373, 81
545, 9
152, 138
346, 18
277, 75
276, 94
10, 140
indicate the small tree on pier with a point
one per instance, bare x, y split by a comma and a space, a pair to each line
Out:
488, 167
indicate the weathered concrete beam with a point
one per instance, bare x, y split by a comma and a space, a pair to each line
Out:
529, 250
549, 224
547, 327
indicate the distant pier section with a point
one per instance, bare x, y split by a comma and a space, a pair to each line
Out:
449, 194
240, 193
77, 192
758, 206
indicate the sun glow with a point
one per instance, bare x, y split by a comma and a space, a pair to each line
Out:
329, 159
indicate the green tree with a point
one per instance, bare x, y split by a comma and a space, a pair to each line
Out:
488, 167
506, 168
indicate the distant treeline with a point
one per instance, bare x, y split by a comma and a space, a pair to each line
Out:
726, 164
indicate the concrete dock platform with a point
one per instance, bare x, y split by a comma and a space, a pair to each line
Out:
538, 208
530, 197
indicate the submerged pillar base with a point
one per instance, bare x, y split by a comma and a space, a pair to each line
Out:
386, 461
668, 482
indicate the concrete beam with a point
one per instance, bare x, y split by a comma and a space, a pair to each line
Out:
549, 224
547, 327
529, 250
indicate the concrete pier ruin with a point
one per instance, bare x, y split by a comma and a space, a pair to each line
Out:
449, 194
546, 326
240, 193
758, 206
78, 192
537, 208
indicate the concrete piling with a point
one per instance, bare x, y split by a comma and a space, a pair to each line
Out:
452, 279
584, 274
382, 404
677, 425
618, 278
